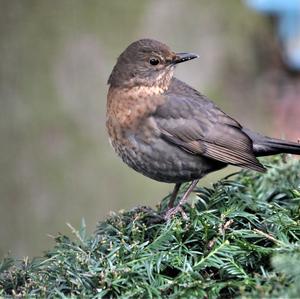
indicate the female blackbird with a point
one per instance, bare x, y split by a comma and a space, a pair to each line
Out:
168, 131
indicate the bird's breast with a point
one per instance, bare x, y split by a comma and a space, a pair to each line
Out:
129, 108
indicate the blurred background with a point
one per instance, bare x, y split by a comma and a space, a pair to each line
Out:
56, 165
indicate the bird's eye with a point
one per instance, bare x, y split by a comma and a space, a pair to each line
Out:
154, 61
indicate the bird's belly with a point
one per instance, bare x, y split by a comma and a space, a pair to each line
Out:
163, 161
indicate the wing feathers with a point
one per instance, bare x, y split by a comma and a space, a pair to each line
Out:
193, 123
217, 152
226, 155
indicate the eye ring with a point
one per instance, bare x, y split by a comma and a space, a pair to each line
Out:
154, 61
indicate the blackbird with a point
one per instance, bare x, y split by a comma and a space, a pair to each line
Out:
168, 131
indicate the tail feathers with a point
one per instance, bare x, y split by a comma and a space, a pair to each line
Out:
265, 146
276, 146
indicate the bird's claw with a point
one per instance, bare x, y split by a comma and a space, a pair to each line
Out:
173, 211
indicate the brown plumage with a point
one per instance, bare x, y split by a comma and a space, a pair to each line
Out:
168, 131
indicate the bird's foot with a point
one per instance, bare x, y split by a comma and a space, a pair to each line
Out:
173, 211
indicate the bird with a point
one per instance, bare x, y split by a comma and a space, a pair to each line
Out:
170, 132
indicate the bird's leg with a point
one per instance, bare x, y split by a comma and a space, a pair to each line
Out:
174, 195
172, 211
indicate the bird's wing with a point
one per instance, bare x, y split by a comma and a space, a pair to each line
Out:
197, 126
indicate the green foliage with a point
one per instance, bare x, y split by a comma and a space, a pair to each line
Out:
241, 240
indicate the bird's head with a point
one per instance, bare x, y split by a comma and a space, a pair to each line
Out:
146, 62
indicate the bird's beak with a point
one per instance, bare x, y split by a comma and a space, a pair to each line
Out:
182, 57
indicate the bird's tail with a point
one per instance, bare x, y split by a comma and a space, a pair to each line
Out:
265, 146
